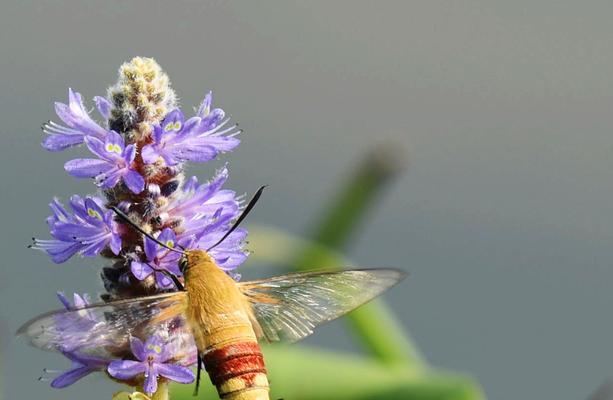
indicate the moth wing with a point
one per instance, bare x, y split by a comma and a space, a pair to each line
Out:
289, 307
99, 329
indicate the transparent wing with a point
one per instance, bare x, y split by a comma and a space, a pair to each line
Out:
289, 307
104, 329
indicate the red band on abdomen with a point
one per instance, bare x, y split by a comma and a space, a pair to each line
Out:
237, 360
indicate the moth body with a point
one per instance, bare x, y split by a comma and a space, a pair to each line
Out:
222, 324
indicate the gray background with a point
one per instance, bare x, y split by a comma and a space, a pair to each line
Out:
505, 218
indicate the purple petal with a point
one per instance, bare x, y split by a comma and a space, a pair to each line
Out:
126, 369
190, 126
114, 138
134, 181
71, 232
78, 206
70, 377
157, 134
96, 146
64, 300
59, 142
80, 301
89, 361
167, 237
75, 102
149, 154
103, 106
115, 244
163, 280
176, 373
152, 343
190, 184
138, 348
63, 111
59, 211
169, 158
95, 214
173, 122
75, 116
129, 154
212, 120
86, 167
190, 151
58, 250
110, 178
140, 270
205, 106
221, 143
151, 249
170, 263
151, 380
94, 248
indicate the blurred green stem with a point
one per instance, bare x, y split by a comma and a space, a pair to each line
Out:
374, 324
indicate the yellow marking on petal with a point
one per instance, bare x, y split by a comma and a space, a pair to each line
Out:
113, 148
177, 126
169, 127
94, 214
170, 244
155, 348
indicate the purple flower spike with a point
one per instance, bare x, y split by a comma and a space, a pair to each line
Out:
87, 231
198, 139
79, 125
113, 165
151, 361
158, 258
82, 365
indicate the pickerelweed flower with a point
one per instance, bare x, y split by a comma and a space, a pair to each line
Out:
82, 365
198, 140
151, 362
79, 124
114, 163
86, 231
140, 141
157, 259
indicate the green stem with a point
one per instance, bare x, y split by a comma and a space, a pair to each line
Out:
374, 324
162, 392
342, 217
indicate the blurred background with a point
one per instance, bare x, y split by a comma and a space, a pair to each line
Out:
503, 215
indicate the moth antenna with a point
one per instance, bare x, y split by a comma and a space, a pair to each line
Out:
243, 215
127, 219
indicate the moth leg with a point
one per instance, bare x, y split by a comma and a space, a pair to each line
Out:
198, 373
